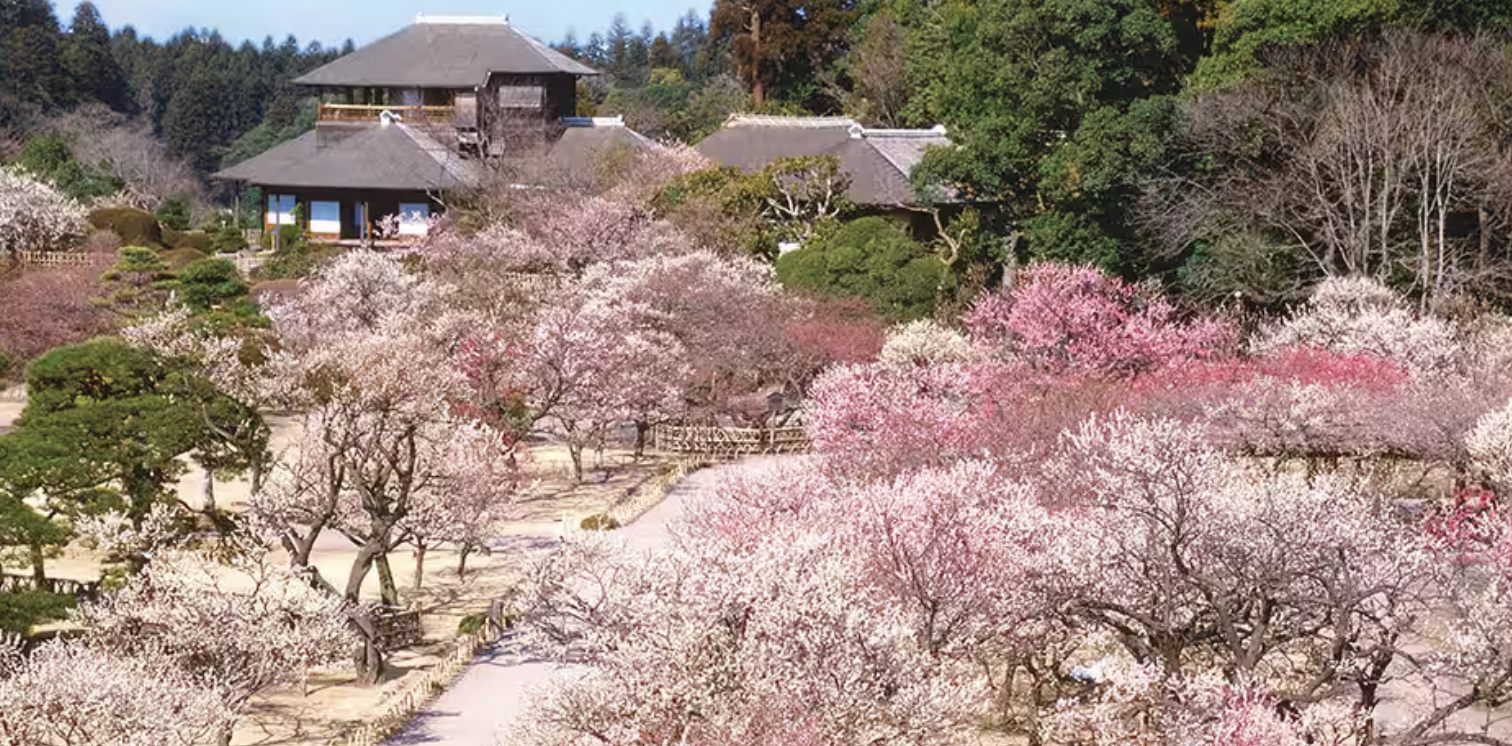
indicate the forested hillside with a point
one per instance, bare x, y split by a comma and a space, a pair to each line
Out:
207, 98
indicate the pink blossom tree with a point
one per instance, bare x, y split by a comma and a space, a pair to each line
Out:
1069, 319
384, 447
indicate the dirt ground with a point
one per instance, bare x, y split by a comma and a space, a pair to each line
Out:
330, 702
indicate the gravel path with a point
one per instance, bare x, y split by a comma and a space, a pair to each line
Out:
491, 693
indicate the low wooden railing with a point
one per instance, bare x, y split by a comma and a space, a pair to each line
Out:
729, 442
63, 258
82, 590
368, 113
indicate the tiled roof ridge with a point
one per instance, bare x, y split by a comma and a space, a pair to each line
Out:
936, 131
476, 20
769, 120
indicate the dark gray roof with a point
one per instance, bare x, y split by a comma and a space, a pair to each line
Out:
358, 156
586, 142
879, 162
444, 53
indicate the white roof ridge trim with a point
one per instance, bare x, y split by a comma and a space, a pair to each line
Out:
618, 121
935, 131
769, 120
497, 20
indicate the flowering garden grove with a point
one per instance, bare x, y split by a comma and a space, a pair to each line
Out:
1073, 513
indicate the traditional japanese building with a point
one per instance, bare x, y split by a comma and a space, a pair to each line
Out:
878, 162
413, 115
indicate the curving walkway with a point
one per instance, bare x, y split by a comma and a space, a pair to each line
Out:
491, 693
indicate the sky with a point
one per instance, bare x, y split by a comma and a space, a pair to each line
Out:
333, 21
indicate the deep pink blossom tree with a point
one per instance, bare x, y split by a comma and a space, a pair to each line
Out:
1070, 319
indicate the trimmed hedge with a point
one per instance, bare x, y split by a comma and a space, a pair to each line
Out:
177, 259
197, 240
134, 227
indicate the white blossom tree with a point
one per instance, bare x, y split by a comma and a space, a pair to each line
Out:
34, 216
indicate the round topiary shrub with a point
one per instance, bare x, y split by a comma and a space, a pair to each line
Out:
227, 241
134, 227
599, 522
872, 259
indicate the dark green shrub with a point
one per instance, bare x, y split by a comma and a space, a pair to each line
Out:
174, 213
290, 235
872, 259
470, 624
171, 237
209, 283
134, 227
599, 522
227, 241
5, 366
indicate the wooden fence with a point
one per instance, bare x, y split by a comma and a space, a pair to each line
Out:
63, 258
81, 590
397, 628
729, 442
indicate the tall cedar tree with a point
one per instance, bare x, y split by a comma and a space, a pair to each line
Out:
87, 57
779, 46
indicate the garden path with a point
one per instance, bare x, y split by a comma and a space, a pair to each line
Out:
491, 694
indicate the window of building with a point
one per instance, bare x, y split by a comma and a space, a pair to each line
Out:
280, 209
414, 219
521, 96
325, 218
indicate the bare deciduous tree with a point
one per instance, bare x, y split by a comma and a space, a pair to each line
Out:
1353, 158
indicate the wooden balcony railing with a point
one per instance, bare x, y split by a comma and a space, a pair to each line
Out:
365, 113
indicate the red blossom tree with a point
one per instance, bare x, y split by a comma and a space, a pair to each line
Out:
47, 308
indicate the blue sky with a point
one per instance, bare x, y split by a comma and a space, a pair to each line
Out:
332, 21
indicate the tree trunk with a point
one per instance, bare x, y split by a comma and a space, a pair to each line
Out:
207, 491
369, 658
575, 451
462, 553
758, 85
419, 566
257, 476
366, 555
38, 566
223, 736
388, 591
641, 429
